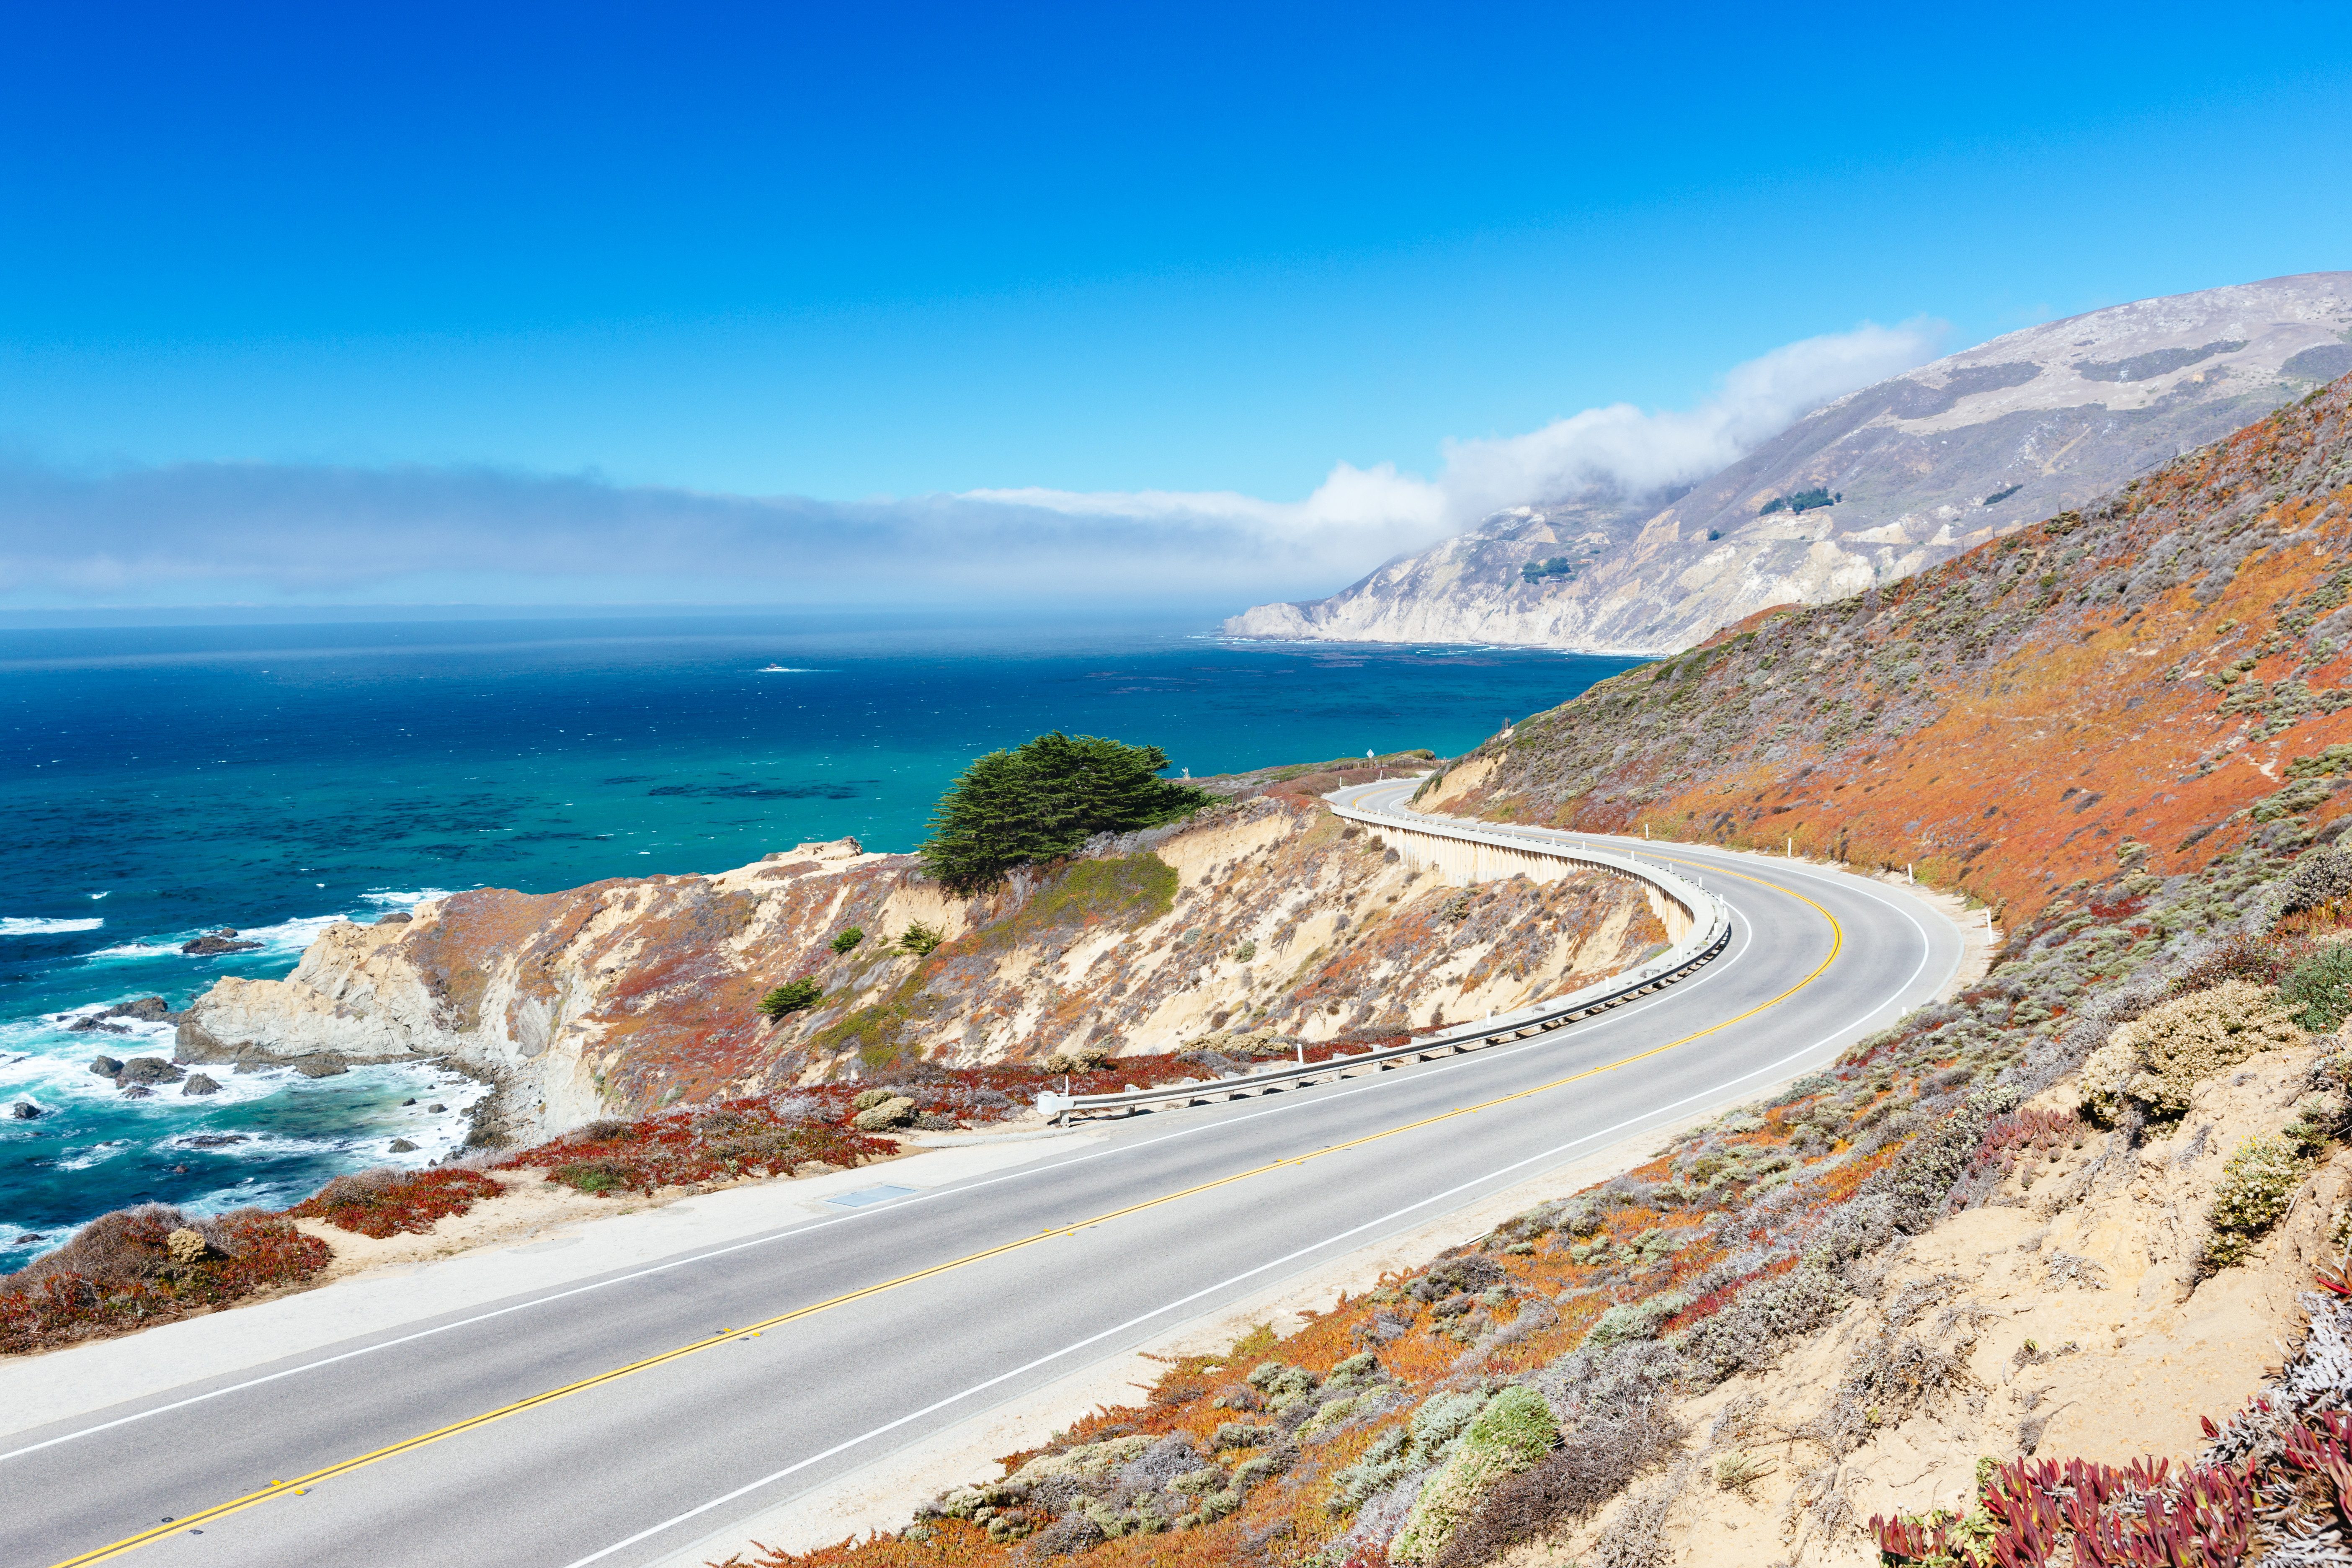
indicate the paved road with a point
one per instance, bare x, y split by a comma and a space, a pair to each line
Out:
965, 1296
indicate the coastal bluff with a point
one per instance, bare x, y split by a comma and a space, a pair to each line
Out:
1261, 920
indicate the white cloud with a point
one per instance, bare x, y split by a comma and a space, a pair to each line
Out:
209, 532
1619, 448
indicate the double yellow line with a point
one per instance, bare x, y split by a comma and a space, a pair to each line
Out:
288, 1487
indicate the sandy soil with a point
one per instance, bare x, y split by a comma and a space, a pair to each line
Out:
2068, 1317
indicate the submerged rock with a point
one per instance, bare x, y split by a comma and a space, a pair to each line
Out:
403, 1146
198, 1083
25, 1110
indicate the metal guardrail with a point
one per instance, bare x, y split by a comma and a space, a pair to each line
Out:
1710, 933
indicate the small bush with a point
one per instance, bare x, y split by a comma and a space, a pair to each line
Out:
1591, 1465
2257, 1181
384, 1203
715, 1144
2320, 989
920, 940
793, 997
2320, 877
848, 939
1510, 1434
2156, 1060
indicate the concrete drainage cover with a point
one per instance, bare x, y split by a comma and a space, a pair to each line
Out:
864, 1195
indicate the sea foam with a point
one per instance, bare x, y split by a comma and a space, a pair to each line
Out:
12, 925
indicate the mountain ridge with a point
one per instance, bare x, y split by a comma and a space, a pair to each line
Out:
2045, 419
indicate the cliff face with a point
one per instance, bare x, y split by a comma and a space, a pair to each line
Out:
616, 998
1929, 464
2132, 690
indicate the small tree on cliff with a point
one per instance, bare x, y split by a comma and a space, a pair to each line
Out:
1044, 798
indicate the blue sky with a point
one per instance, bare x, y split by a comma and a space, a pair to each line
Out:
870, 251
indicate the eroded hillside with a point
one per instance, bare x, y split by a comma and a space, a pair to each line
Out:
1263, 919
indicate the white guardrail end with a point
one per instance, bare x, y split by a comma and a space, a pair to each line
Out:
1710, 933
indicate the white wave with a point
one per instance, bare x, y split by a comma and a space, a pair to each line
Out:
786, 669
288, 936
11, 925
405, 901
133, 950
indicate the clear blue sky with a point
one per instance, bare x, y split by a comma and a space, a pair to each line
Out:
858, 250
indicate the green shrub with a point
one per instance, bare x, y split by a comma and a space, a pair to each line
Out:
2257, 1183
1511, 1434
793, 997
848, 939
1044, 799
2320, 989
919, 940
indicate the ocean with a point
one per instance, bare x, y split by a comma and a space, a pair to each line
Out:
162, 782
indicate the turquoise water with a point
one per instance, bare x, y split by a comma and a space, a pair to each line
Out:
163, 782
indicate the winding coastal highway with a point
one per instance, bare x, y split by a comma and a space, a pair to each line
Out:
620, 1418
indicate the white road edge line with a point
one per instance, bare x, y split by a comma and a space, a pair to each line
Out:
1394, 1215
1490, 1054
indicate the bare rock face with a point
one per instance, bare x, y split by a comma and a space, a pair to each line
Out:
1871, 487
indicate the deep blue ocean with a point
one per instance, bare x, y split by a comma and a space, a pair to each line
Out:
159, 782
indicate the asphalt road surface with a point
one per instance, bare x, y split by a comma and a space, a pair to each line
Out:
782, 1365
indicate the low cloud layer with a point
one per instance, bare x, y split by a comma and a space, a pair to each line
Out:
213, 532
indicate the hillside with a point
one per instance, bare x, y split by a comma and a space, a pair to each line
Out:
1924, 465
1263, 923
2132, 690
2050, 1273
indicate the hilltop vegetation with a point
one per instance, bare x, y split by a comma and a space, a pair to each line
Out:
1042, 800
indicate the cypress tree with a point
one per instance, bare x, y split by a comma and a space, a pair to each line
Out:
1044, 798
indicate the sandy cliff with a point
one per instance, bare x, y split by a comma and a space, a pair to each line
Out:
1266, 915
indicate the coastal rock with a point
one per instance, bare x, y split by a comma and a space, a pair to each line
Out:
215, 942
323, 1066
186, 1247
199, 1084
25, 1110
138, 1091
148, 1070
888, 1113
394, 918
402, 1146
97, 1021
105, 1067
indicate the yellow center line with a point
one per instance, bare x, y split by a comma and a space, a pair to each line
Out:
282, 1489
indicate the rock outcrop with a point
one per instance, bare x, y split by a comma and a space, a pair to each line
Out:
626, 996
1922, 467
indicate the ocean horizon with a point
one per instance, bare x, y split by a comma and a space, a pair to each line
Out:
166, 781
